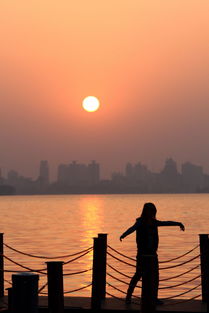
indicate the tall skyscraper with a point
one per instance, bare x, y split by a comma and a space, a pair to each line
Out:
192, 176
129, 171
1, 178
94, 173
44, 172
62, 174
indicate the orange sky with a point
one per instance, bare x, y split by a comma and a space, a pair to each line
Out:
147, 62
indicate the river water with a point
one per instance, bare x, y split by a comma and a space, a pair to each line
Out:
58, 225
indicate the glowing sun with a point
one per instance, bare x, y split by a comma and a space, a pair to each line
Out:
91, 104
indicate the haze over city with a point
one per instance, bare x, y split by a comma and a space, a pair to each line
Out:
146, 61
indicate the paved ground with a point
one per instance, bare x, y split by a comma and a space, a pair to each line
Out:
119, 304
113, 304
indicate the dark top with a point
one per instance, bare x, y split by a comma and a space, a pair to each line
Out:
147, 235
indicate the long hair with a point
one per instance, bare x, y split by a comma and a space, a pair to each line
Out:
148, 213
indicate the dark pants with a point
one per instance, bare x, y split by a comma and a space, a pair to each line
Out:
138, 274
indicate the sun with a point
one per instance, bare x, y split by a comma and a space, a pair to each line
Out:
91, 104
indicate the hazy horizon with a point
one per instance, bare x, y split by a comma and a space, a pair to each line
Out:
146, 61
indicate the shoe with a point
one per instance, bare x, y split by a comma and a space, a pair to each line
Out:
159, 302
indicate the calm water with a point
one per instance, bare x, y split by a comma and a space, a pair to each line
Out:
66, 224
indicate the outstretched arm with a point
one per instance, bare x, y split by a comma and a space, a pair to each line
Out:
130, 230
171, 223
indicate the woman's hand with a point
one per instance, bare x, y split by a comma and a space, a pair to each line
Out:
181, 226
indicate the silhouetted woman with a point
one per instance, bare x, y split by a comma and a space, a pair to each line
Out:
146, 228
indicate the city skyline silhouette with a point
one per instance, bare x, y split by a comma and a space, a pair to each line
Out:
75, 178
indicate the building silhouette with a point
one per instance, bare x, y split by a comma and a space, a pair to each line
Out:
78, 174
93, 173
44, 173
13, 178
62, 174
192, 177
169, 179
136, 178
22, 185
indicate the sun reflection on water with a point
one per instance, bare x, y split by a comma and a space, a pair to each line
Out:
92, 218
92, 223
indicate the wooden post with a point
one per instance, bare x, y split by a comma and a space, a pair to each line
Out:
99, 271
25, 293
102, 263
1, 265
149, 283
55, 287
95, 295
204, 262
9, 299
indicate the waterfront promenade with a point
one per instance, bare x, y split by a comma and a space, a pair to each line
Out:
105, 293
114, 305
119, 305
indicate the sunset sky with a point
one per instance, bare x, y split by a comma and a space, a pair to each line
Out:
147, 61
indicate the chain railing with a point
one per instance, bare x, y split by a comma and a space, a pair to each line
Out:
118, 281
113, 270
47, 257
43, 271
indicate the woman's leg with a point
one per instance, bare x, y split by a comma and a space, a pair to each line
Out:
134, 279
158, 301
